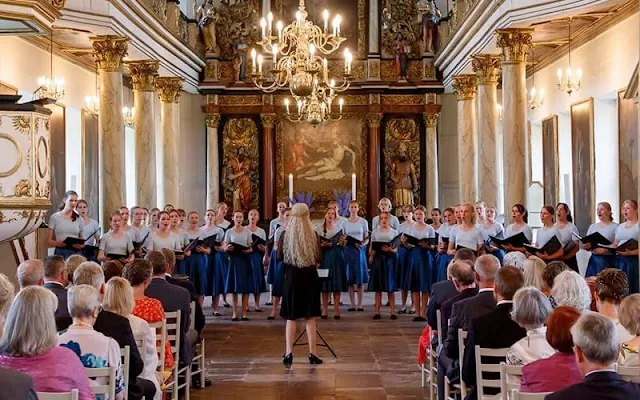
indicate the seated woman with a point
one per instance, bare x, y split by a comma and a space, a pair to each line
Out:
29, 344
559, 370
118, 298
629, 314
94, 349
612, 286
533, 274
530, 310
570, 289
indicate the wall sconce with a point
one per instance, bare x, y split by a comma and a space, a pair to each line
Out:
499, 110
128, 114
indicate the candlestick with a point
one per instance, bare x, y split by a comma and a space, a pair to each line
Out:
260, 63
279, 27
353, 187
299, 106
312, 51
275, 55
290, 188
286, 105
263, 25
253, 60
325, 72
338, 19
341, 103
325, 15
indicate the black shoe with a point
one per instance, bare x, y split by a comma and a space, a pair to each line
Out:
419, 319
245, 318
234, 319
387, 305
323, 316
402, 311
314, 360
271, 317
268, 303
288, 360
336, 317
216, 314
226, 305
340, 302
257, 309
360, 309
393, 316
351, 309
376, 316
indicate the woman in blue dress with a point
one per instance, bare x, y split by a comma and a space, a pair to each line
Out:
222, 261
333, 260
181, 262
442, 258
66, 223
491, 228
215, 285
520, 218
383, 265
402, 271
275, 272
256, 257
627, 260
197, 261
566, 233
601, 258
384, 205
91, 229
239, 279
355, 253
467, 235
273, 225
420, 263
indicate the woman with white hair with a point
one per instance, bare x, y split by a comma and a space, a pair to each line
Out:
7, 291
299, 251
530, 310
118, 298
570, 289
514, 259
94, 349
29, 344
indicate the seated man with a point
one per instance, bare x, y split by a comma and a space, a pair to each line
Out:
596, 350
30, 272
55, 279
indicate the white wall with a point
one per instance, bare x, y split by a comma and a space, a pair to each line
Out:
449, 189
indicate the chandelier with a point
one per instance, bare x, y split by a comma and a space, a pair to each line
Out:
298, 67
128, 114
571, 84
92, 103
536, 96
51, 87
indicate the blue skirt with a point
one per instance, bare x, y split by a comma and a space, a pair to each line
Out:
220, 269
629, 264
198, 266
275, 275
442, 261
598, 262
420, 267
357, 268
182, 267
259, 285
239, 275
383, 273
64, 252
403, 267
499, 253
333, 260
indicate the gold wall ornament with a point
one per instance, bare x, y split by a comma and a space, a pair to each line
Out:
236, 25
169, 88
246, 100
399, 23
109, 50
487, 67
515, 44
4, 219
159, 8
403, 99
240, 160
374, 120
22, 123
402, 161
213, 120
5, 151
22, 189
431, 119
212, 70
465, 86
373, 72
268, 120
143, 74
58, 4
42, 157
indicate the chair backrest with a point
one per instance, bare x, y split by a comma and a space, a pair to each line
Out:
108, 373
72, 395
173, 332
439, 326
125, 353
516, 395
630, 374
161, 341
462, 339
192, 313
481, 368
509, 377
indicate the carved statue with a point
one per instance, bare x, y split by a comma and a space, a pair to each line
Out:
241, 182
208, 17
403, 175
402, 58
430, 17
240, 60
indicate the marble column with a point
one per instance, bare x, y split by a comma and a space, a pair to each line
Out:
213, 161
108, 51
269, 193
373, 121
465, 87
143, 76
431, 176
515, 44
169, 88
487, 68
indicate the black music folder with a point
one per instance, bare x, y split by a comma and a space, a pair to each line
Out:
594, 239
552, 246
377, 246
517, 240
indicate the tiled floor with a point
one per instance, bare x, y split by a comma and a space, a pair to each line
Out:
376, 359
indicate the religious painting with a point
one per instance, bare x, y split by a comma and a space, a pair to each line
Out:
550, 162
628, 147
402, 162
583, 163
240, 164
322, 158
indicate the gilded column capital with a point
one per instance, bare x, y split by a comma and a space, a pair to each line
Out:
268, 120
515, 44
465, 86
109, 50
487, 68
143, 74
169, 88
431, 119
374, 119
213, 121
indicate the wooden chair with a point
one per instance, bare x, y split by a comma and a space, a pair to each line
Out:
433, 368
72, 395
198, 361
458, 388
125, 353
509, 378
426, 369
107, 372
481, 368
161, 341
173, 337
629, 374
516, 395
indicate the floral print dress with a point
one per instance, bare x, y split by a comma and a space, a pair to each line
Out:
151, 310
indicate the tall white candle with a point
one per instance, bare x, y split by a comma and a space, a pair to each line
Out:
353, 187
290, 187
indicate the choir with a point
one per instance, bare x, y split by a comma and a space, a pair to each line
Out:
222, 257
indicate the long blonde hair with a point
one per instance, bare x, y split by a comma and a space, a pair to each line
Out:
300, 243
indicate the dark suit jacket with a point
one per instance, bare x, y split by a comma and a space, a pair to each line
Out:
63, 319
16, 385
603, 385
199, 320
495, 330
445, 309
462, 313
440, 292
118, 328
174, 298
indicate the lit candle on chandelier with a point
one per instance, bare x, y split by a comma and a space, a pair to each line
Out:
270, 21
290, 188
263, 25
253, 60
353, 187
279, 27
341, 103
260, 63
325, 15
275, 55
286, 105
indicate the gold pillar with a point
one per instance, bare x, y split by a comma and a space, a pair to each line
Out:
213, 161
374, 120
465, 87
169, 88
431, 176
108, 51
269, 193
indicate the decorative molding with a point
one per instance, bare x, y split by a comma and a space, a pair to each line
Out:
431, 119
213, 121
515, 44
268, 120
465, 86
143, 74
58, 4
374, 120
247, 100
169, 88
109, 51
487, 68
403, 99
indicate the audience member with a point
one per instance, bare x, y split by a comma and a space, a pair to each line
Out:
16, 385
118, 298
553, 269
29, 345
495, 329
94, 349
596, 350
440, 292
514, 259
112, 268
73, 262
570, 289
55, 279
30, 273
560, 370
629, 314
530, 310
534, 274
465, 255
111, 324
612, 286
7, 291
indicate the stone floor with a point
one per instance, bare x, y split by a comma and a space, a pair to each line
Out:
376, 359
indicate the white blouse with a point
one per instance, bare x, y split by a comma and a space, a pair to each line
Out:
530, 348
142, 330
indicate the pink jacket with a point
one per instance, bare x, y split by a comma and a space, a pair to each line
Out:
550, 374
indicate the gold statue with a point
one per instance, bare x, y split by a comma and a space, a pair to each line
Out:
207, 17
241, 183
403, 175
